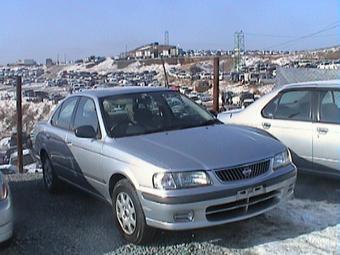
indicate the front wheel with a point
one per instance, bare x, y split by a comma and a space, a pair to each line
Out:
51, 181
128, 214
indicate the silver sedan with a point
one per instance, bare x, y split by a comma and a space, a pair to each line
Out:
161, 160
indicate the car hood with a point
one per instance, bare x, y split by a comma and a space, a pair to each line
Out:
206, 148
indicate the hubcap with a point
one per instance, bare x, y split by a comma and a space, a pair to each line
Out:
48, 174
125, 212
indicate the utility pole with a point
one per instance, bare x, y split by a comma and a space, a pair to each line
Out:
216, 89
165, 74
19, 124
238, 49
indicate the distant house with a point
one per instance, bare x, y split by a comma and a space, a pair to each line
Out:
152, 51
26, 62
49, 62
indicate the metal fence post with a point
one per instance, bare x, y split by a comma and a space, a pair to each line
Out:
216, 89
19, 124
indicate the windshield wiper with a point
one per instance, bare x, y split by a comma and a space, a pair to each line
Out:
179, 127
211, 122
205, 123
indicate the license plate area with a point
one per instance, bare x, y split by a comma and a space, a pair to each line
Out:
250, 192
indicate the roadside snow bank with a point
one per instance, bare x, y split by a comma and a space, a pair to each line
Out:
318, 222
296, 227
32, 113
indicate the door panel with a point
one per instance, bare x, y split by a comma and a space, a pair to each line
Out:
326, 151
326, 132
297, 136
87, 152
61, 156
57, 148
87, 163
288, 117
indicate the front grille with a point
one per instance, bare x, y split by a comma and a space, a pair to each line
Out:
243, 172
243, 207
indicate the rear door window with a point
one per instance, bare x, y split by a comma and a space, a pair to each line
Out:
66, 112
330, 106
55, 117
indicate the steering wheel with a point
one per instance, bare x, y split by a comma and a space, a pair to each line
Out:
119, 124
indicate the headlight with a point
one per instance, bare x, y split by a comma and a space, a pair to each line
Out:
282, 159
180, 180
3, 190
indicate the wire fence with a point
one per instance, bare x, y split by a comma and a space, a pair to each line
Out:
294, 75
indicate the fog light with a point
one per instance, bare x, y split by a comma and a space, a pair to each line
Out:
184, 216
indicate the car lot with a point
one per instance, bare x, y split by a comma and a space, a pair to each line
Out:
73, 222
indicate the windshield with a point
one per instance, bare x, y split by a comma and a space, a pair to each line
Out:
144, 113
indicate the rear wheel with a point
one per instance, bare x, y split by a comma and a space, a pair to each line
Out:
51, 180
128, 214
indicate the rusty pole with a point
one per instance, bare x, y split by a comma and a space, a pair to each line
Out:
19, 124
165, 74
216, 89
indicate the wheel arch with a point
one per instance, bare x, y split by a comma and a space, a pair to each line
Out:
43, 154
115, 178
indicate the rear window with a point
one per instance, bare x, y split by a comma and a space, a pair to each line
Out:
330, 107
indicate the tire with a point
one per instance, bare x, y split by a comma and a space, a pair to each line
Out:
51, 181
140, 233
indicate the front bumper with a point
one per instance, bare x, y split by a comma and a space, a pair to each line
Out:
223, 206
6, 219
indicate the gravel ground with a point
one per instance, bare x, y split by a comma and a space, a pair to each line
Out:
71, 222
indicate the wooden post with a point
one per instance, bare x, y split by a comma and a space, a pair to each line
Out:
165, 74
216, 89
19, 125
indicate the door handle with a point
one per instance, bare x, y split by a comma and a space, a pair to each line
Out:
266, 125
322, 131
48, 136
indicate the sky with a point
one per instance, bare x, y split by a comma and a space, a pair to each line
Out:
41, 29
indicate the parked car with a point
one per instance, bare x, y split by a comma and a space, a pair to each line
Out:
30, 164
6, 210
305, 117
161, 165
247, 102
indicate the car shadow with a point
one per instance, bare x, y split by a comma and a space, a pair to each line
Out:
76, 223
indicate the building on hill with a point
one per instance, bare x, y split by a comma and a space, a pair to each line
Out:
26, 62
152, 51
49, 62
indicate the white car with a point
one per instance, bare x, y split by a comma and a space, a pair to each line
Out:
305, 117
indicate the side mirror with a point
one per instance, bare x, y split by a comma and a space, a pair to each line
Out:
213, 113
85, 132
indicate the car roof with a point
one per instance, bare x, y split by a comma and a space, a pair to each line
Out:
314, 84
103, 92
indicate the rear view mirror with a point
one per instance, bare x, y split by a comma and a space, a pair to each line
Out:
85, 132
